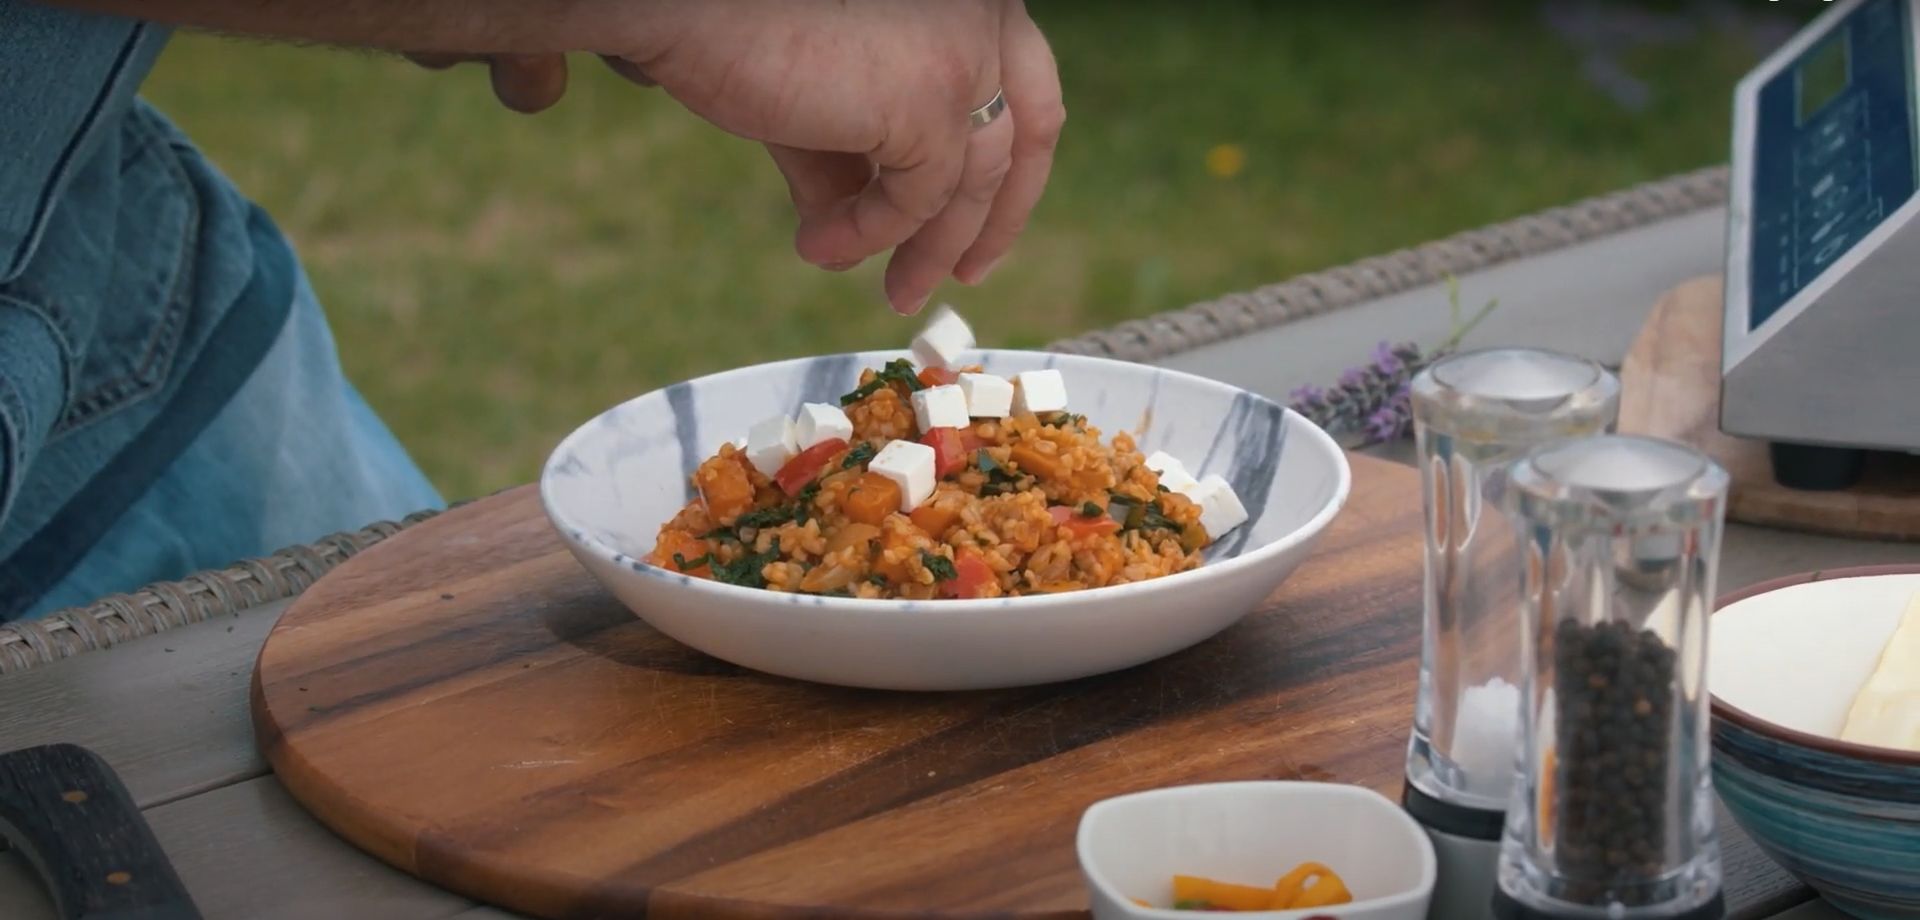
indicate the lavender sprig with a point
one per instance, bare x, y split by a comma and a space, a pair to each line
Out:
1370, 403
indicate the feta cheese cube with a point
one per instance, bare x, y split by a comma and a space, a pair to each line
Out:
1173, 474
945, 338
910, 465
1040, 391
770, 444
940, 407
821, 422
1220, 509
987, 396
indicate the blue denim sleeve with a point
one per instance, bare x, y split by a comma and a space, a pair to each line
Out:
67, 84
32, 391
64, 79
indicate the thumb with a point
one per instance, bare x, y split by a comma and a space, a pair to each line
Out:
818, 180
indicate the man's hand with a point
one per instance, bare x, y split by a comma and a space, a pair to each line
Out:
863, 105
526, 83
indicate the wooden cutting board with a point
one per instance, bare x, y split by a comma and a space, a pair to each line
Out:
1670, 388
466, 703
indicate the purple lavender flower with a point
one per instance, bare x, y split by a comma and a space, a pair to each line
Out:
1385, 424
1370, 400
1387, 358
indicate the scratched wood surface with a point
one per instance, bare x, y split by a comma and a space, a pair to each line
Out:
466, 704
1670, 388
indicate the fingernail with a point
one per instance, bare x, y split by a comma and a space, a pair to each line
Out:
839, 266
909, 308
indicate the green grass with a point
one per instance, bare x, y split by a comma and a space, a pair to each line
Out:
494, 279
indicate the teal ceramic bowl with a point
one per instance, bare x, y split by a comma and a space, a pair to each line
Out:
1787, 658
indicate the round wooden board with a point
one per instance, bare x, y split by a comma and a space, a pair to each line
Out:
1670, 388
464, 702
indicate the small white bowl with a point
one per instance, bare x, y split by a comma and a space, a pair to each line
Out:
610, 485
1252, 833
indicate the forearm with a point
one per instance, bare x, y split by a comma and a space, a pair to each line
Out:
476, 26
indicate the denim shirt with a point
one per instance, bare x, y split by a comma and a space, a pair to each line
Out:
138, 288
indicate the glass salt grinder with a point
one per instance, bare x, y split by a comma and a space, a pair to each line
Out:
1474, 413
1613, 814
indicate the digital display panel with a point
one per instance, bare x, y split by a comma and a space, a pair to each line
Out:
1833, 152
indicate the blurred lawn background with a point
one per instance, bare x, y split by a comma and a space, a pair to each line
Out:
495, 279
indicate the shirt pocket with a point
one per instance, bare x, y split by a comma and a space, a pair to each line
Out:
114, 273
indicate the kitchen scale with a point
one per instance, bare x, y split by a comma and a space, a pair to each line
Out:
1822, 286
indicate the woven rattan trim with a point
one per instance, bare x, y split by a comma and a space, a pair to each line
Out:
201, 596
249, 584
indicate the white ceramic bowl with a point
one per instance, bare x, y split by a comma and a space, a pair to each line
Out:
610, 485
1252, 833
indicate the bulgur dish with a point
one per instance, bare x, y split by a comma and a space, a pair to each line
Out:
936, 480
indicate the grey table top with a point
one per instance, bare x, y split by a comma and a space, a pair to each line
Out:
170, 712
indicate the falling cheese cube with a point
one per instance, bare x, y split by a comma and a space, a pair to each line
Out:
1886, 713
940, 407
821, 422
1173, 474
987, 396
771, 443
944, 340
910, 464
1040, 391
1220, 509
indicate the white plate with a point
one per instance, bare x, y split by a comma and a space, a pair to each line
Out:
610, 485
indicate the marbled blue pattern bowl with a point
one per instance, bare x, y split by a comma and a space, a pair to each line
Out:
610, 485
1787, 658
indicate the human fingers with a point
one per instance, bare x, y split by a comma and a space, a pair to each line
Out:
629, 69
914, 181
924, 260
818, 180
528, 83
1032, 86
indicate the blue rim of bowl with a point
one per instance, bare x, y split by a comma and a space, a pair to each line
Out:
1314, 525
1759, 726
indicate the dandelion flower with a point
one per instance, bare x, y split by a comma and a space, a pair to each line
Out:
1226, 160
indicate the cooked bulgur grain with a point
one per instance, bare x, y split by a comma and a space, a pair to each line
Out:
1039, 506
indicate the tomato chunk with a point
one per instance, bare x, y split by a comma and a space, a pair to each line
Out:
949, 450
971, 576
1079, 525
806, 465
937, 376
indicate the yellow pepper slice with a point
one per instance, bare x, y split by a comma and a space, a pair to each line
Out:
1327, 889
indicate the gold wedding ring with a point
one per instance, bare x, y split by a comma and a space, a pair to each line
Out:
984, 115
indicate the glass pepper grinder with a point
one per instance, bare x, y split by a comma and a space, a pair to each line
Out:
1613, 814
1474, 413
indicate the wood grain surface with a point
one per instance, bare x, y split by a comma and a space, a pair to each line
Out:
1670, 388
465, 703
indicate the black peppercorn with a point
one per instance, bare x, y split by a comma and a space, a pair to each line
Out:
1614, 693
